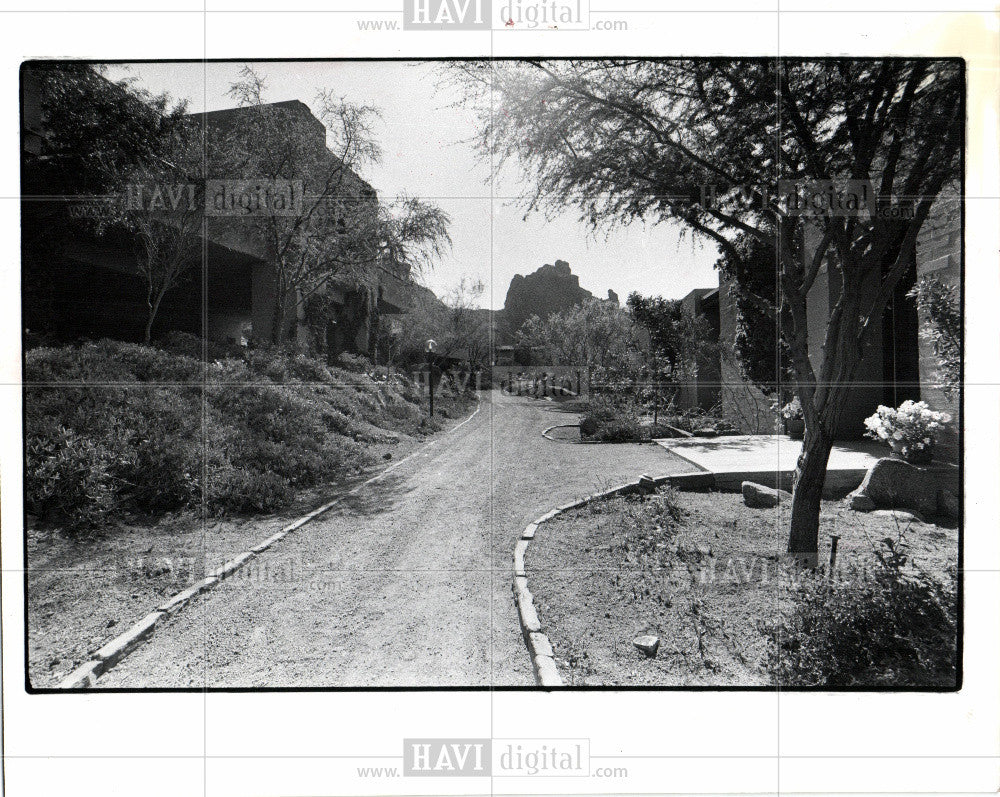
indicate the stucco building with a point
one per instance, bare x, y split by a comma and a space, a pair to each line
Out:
91, 286
900, 364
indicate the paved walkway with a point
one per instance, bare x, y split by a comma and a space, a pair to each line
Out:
408, 583
771, 458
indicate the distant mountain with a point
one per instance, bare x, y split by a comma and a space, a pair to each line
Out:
551, 289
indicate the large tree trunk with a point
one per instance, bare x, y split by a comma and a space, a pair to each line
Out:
810, 473
277, 320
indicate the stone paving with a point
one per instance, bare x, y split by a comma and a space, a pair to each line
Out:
770, 459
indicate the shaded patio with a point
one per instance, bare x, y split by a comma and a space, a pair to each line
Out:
770, 459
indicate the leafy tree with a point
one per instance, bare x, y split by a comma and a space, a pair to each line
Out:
162, 208
942, 326
761, 356
456, 323
468, 325
676, 336
96, 131
710, 143
100, 136
597, 335
341, 235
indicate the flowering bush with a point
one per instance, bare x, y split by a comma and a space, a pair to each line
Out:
911, 430
792, 410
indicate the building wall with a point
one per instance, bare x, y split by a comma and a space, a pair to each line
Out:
703, 391
240, 285
938, 253
744, 405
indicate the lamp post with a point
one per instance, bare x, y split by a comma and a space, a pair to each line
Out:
430, 346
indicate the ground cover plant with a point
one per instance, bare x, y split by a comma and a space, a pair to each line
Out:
113, 428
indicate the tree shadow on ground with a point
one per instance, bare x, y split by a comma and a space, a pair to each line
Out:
377, 497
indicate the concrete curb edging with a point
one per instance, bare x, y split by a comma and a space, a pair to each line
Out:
112, 652
539, 646
546, 433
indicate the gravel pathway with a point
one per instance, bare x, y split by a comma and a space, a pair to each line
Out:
408, 583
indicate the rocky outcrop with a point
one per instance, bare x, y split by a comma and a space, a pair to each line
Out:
551, 289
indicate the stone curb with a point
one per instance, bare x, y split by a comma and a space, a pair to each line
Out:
546, 433
539, 646
85, 676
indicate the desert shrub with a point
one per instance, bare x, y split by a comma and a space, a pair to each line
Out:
610, 422
644, 525
143, 442
893, 626
112, 437
355, 363
107, 361
240, 490
188, 345
68, 479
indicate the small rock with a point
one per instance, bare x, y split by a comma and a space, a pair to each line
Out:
648, 644
757, 496
860, 502
948, 504
704, 550
387, 455
647, 484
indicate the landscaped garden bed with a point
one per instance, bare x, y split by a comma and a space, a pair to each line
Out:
704, 574
605, 420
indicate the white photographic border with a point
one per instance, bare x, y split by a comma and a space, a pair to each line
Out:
672, 742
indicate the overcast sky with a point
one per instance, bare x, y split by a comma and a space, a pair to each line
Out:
424, 155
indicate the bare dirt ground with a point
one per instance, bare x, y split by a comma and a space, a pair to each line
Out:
407, 583
707, 589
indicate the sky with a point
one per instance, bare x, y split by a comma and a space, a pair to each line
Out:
427, 154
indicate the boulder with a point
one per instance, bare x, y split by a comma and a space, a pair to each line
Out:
860, 502
648, 644
899, 515
893, 483
949, 505
758, 496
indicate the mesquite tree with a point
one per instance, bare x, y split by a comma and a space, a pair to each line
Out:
718, 145
339, 233
162, 207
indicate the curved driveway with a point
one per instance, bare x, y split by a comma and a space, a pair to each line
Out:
407, 582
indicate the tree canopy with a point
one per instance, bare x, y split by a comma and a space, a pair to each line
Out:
724, 146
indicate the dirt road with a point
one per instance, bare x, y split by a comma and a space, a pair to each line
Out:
407, 583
